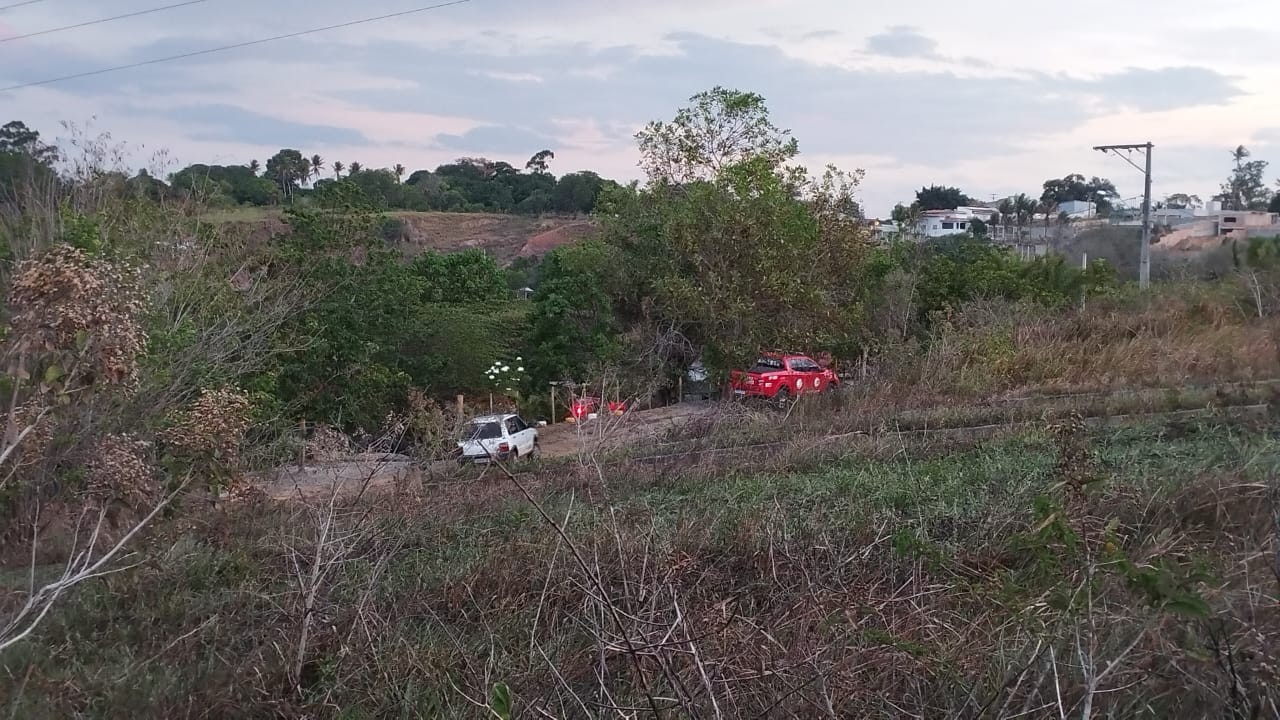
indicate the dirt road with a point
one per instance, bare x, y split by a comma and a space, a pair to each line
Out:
373, 471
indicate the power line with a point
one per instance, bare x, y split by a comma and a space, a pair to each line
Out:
234, 46
103, 20
20, 4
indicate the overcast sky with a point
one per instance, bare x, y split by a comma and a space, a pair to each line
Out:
994, 96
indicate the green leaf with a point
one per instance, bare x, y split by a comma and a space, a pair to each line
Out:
500, 701
1189, 605
52, 374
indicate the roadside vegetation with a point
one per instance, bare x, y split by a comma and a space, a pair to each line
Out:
1125, 572
155, 360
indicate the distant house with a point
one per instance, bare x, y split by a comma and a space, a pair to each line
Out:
1173, 216
882, 230
1242, 223
1078, 209
941, 223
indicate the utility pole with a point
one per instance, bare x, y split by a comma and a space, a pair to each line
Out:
1144, 256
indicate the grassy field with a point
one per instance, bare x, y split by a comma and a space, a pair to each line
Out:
1125, 572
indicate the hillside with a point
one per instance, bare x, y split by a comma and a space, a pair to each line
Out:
506, 237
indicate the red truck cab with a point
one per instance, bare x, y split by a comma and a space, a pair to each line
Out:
780, 376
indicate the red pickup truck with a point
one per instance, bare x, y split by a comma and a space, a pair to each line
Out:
780, 377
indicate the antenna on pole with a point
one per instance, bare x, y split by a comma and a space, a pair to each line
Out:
1144, 262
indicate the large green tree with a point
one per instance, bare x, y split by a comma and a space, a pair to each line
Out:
24, 158
730, 243
574, 325
719, 129
941, 197
289, 169
1099, 191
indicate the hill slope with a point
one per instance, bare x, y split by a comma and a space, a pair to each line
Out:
506, 237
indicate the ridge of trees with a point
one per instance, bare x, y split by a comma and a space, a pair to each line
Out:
468, 184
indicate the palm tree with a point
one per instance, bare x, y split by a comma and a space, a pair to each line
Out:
1047, 208
254, 166
399, 171
337, 169
355, 168
1024, 208
1006, 212
317, 164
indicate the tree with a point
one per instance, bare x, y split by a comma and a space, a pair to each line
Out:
939, 197
379, 187
746, 251
254, 167
907, 217
1245, 189
17, 138
977, 228
24, 158
470, 276
317, 164
216, 184
1275, 204
577, 192
399, 171
1099, 191
573, 323
720, 129
1183, 201
338, 167
1049, 209
538, 163
1007, 210
355, 168
289, 169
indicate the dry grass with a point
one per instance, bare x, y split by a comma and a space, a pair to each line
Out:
1130, 572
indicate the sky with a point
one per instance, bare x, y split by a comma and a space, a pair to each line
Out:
994, 96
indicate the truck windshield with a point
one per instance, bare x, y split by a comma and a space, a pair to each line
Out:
482, 431
767, 365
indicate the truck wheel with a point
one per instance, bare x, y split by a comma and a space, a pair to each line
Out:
535, 452
783, 397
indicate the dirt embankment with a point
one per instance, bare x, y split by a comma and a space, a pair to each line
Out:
505, 237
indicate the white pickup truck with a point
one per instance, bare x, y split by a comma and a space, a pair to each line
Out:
497, 437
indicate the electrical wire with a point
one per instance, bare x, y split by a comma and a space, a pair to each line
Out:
233, 46
103, 20
20, 4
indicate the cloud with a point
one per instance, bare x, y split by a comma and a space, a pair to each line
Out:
504, 139
902, 41
1162, 89
225, 122
581, 77
514, 77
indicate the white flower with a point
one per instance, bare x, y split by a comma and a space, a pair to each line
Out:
519, 369
506, 368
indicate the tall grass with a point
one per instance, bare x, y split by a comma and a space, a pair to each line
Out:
1127, 572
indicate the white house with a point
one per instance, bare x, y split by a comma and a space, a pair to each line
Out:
941, 223
883, 229
1078, 209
